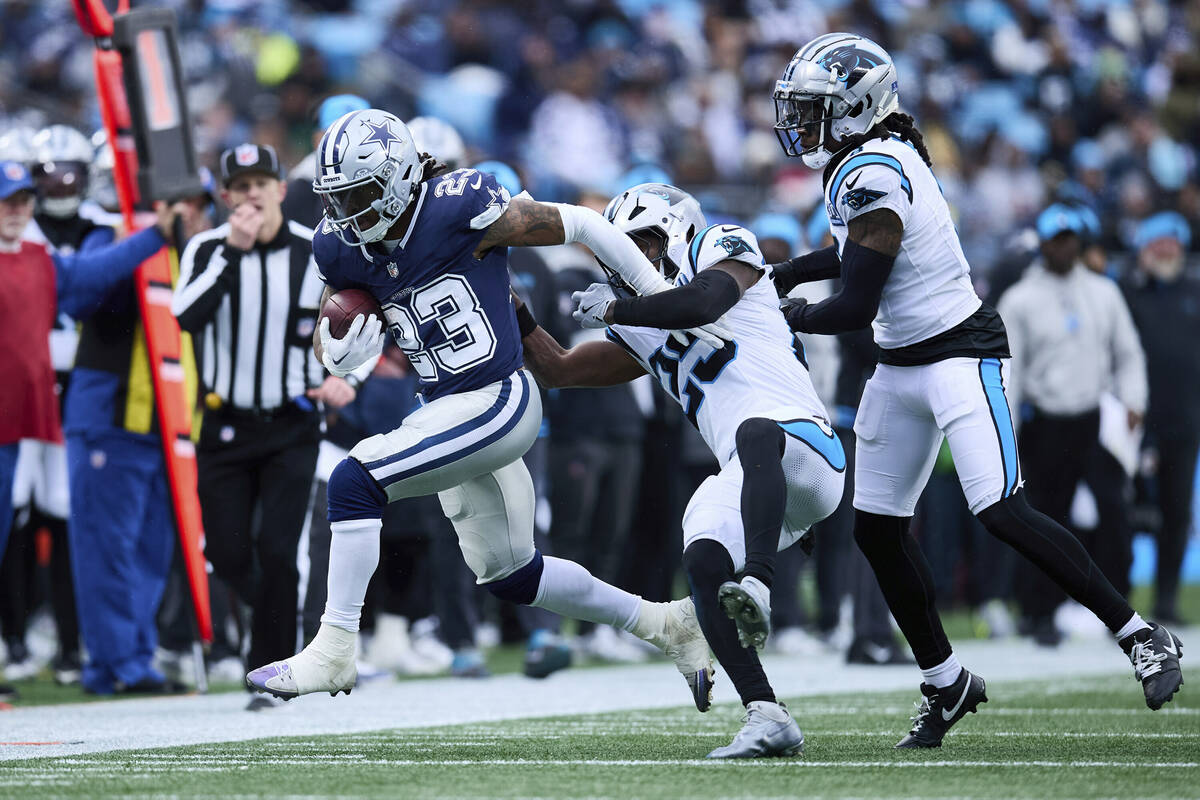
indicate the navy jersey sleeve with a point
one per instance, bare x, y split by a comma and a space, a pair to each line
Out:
466, 202
339, 266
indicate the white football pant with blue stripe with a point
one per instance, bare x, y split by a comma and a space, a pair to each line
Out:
467, 448
903, 416
814, 466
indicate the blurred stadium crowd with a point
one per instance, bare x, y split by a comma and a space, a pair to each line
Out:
1093, 106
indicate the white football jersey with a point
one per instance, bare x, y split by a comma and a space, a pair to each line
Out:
929, 290
759, 373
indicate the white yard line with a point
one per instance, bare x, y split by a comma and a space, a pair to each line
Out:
167, 722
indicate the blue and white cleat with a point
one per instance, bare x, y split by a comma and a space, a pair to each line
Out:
326, 665
769, 731
748, 604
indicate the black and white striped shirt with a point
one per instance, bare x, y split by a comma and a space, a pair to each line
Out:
253, 315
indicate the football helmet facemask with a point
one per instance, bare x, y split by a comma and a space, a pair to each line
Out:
62, 156
367, 171
836, 86
662, 219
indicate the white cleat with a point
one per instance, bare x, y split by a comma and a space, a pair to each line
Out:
326, 665
748, 604
677, 633
769, 732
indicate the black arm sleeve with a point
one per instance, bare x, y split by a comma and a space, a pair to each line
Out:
700, 302
818, 265
864, 272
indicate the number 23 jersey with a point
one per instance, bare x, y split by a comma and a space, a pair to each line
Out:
450, 312
759, 373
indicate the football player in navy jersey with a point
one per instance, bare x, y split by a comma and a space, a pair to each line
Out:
431, 246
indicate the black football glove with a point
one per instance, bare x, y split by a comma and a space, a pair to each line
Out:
782, 275
793, 312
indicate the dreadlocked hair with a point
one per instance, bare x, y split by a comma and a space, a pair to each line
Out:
432, 167
904, 126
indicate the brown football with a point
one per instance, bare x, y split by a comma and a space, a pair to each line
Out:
342, 307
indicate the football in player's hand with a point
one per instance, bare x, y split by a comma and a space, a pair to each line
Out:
342, 307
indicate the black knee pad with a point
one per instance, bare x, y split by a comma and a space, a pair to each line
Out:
759, 436
707, 564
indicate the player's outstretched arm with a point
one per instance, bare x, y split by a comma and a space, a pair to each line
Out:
872, 243
597, 363
700, 302
528, 223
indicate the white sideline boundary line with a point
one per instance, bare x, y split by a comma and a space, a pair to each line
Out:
224, 765
174, 721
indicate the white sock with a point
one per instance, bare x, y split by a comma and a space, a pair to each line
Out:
353, 557
944, 674
567, 588
1135, 624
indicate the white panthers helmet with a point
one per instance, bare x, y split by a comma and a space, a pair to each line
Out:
62, 157
16, 144
367, 171
439, 139
658, 214
841, 84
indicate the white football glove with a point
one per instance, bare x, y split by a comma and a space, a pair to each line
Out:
714, 334
362, 342
591, 305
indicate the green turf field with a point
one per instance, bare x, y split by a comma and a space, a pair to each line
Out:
1093, 738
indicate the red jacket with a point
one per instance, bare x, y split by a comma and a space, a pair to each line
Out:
28, 406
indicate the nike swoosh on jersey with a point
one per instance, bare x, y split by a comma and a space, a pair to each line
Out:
853, 183
478, 180
958, 705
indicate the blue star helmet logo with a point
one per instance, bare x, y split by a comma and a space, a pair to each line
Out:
734, 245
381, 133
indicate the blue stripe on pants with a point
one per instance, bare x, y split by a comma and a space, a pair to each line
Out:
826, 444
447, 435
993, 387
471, 425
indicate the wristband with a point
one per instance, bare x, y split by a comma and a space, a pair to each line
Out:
526, 323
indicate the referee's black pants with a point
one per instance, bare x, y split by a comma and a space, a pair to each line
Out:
255, 486
1058, 452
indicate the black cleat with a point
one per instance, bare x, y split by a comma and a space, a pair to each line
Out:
941, 708
1155, 653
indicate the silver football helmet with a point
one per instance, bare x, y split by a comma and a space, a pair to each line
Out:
62, 156
367, 171
659, 217
837, 85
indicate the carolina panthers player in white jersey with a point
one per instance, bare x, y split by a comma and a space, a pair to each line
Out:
943, 354
782, 468
431, 247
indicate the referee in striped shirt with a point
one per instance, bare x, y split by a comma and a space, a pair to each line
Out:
249, 291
